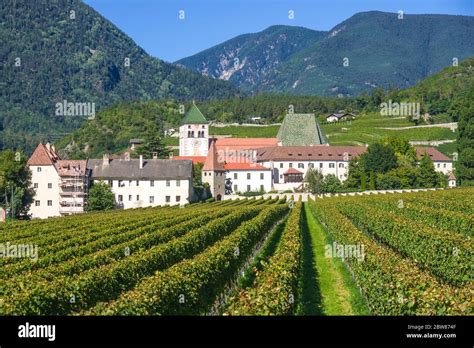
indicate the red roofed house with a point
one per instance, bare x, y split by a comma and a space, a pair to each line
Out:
442, 163
213, 172
293, 175
243, 175
451, 180
60, 185
239, 144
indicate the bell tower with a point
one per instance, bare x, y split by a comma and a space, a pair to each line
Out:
194, 133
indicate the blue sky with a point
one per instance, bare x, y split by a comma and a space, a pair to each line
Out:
156, 27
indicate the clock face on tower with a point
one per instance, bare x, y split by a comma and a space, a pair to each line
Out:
196, 143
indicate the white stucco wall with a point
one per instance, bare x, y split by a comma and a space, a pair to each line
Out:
48, 175
340, 168
159, 191
193, 146
332, 119
443, 167
258, 178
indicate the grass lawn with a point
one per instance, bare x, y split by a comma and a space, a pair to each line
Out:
327, 285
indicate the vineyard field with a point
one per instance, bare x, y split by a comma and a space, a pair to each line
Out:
393, 254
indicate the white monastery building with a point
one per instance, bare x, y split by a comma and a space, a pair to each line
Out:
230, 166
281, 163
139, 183
61, 186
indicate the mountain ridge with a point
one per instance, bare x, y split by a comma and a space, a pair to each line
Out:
381, 49
263, 51
56, 51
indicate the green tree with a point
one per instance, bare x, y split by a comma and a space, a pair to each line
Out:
331, 184
372, 180
354, 175
100, 197
406, 176
427, 176
314, 180
198, 186
16, 194
401, 147
388, 181
363, 181
379, 158
153, 145
465, 166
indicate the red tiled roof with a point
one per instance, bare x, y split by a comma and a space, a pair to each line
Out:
310, 153
212, 162
195, 159
451, 177
434, 154
292, 171
227, 144
71, 167
43, 155
244, 166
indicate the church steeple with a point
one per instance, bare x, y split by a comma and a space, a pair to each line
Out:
194, 133
194, 116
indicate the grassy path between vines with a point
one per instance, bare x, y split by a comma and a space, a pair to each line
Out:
327, 287
265, 253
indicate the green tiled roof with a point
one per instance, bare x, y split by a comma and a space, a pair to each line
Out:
194, 116
301, 130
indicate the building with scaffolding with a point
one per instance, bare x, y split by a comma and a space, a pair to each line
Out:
60, 185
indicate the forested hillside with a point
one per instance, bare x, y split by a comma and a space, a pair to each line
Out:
449, 95
64, 50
